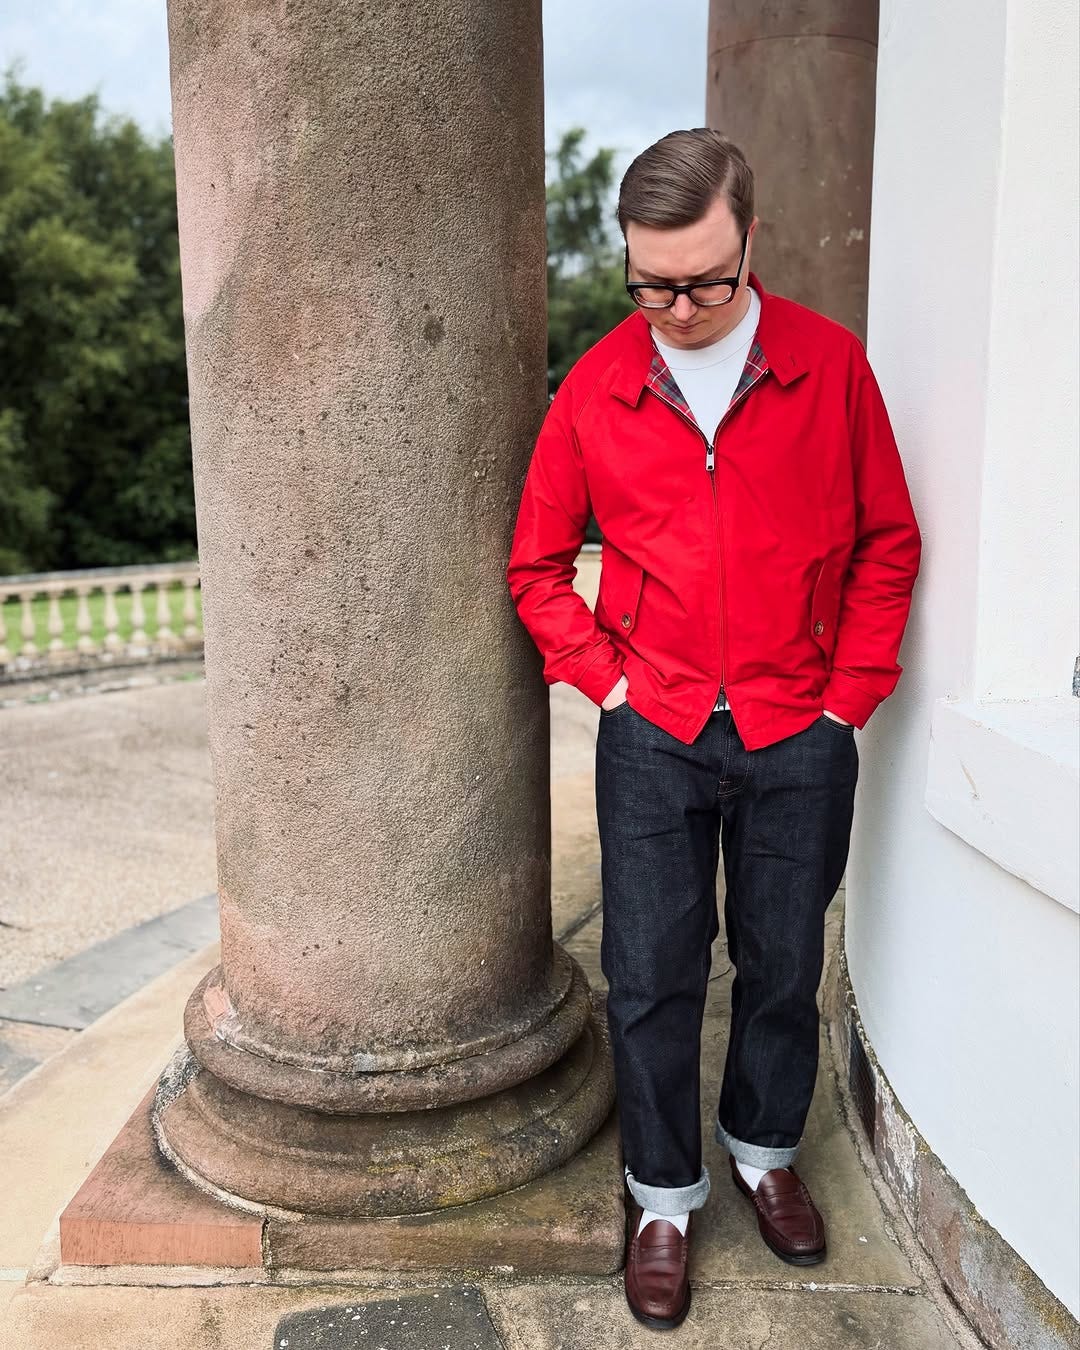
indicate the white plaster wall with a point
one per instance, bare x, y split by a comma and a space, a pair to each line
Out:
1029, 600
966, 976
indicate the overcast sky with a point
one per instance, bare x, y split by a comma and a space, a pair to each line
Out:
594, 54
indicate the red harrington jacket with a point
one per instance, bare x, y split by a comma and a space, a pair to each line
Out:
776, 564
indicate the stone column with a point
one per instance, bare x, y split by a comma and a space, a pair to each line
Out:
391, 1028
793, 85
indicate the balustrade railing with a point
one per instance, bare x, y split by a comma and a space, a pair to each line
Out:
101, 616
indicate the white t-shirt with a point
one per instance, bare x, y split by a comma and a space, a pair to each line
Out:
707, 376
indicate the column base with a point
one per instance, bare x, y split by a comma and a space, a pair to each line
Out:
459, 1074
267, 1156
137, 1220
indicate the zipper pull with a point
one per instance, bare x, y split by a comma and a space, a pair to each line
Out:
710, 460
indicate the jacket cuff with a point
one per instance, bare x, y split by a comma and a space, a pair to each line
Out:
849, 699
600, 678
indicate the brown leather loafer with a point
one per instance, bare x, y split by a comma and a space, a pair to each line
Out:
788, 1219
656, 1280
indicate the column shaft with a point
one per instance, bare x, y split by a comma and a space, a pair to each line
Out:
793, 85
361, 194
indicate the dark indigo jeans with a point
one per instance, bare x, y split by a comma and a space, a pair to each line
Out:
783, 814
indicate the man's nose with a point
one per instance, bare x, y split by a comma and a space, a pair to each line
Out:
683, 309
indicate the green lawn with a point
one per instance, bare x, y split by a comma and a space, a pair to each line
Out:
12, 612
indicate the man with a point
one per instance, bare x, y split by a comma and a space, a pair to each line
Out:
759, 556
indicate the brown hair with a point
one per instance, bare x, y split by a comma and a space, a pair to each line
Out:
675, 181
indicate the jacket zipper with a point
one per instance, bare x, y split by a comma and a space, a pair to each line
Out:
710, 469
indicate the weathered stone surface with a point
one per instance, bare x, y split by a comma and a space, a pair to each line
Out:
134, 1209
23, 1046
995, 1288
344, 1087
362, 248
408, 1162
362, 251
242, 1318
569, 1222
793, 86
73, 993
735, 1319
135, 1218
455, 1317
527, 1317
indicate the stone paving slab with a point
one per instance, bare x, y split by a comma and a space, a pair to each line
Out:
543, 1316
76, 992
107, 818
575, 868
39, 1016
57, 1122
23, 1046
455, 1318
720, 1319
247, 1317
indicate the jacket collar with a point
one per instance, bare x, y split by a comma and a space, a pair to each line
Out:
783, 344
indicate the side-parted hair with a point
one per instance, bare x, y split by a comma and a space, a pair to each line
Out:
676, 180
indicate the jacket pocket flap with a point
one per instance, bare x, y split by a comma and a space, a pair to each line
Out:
825, 605
619, 596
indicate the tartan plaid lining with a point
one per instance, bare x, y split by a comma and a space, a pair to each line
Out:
663, 383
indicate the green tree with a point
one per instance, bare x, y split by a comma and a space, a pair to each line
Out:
585, 279
95, 456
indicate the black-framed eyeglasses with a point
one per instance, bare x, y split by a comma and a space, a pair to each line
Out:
650, 295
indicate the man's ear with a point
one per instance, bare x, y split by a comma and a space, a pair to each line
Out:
750, 248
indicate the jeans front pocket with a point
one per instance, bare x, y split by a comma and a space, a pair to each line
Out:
844, 727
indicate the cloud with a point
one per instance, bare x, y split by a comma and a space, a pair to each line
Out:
71, 49
626, 70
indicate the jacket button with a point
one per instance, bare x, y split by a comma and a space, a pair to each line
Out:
819, 627
626, 621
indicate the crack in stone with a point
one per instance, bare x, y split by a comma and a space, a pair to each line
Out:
583, 920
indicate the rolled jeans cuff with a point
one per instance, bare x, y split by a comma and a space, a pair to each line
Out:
669, 1200
754, 1154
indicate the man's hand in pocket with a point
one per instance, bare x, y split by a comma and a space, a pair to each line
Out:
617, 695
834, 717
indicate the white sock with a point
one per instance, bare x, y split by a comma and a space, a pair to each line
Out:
679, 1220
751, 1175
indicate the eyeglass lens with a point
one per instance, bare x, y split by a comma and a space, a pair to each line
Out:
659, 297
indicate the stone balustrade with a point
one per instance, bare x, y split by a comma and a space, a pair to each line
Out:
149, 613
